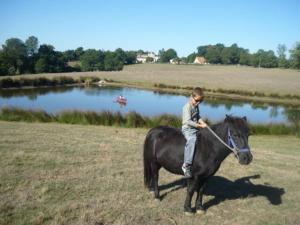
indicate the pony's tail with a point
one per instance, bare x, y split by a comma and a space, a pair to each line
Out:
147, 162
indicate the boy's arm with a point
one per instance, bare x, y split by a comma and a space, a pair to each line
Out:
187, 118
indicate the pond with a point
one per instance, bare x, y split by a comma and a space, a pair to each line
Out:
145, 102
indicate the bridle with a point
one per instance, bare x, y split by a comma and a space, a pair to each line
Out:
230, 143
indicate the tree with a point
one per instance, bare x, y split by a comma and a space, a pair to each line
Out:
213, 54
191, 57
78, 52
14, 55
141, 52
130, 57
120, 53
230, 55
166, 56
265, 59
49, 60
295, 56
112, 61
282, 61
3, 66
245, 57
69, 55
31, 45
41, 66
202, 50
92, 60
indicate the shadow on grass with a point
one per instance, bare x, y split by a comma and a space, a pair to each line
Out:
173, 186
223, 189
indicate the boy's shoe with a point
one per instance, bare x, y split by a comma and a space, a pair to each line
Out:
186, 170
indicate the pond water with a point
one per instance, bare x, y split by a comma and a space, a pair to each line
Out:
145, 102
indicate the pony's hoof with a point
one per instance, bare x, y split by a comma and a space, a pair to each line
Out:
188, 213
151, 192
156, 199
200, 212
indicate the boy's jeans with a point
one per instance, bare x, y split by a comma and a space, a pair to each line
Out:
190, 136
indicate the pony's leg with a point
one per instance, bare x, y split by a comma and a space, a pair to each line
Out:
151, 186
189, 195
155, 171
199, 206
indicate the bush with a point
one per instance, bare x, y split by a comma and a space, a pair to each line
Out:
131, 119
134, 119
72, 117
64, 80
36, 82
164, 120
6, 83
18, 114
273, 129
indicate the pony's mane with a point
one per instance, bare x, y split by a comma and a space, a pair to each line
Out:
237, 122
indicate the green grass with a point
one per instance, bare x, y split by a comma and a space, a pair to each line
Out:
73, 174
131, 119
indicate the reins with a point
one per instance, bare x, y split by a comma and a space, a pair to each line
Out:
234, 149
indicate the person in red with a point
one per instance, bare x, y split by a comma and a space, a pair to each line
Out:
121, 98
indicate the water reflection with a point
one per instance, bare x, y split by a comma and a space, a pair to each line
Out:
293, 116
145, 102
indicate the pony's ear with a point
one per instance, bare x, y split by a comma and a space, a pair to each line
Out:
245, 118
227, 118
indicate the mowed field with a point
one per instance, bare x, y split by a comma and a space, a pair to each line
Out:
280, 81
75, 174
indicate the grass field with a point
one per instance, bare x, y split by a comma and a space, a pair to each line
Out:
76, 174
281, 81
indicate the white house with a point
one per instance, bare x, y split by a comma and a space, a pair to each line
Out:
200, 60
141, 58
175, 61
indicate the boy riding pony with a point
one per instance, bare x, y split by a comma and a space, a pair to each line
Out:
191, 122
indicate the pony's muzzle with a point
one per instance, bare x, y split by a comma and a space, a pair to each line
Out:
245, 157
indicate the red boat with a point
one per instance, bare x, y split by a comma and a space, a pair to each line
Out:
121, 100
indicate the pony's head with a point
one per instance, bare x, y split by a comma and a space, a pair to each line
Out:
238, 132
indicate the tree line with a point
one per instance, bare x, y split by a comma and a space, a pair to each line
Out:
18, 57
220, 54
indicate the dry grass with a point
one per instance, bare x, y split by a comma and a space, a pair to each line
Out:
281, 81
76, 174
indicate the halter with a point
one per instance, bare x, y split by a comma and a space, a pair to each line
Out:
230, 143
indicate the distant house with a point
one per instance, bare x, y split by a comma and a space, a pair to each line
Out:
175, 61
148, 57
200, 60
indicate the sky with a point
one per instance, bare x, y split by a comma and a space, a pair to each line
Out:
152, 25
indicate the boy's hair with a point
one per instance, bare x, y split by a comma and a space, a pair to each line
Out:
197, 91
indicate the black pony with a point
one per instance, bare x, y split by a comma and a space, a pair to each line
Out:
164, 147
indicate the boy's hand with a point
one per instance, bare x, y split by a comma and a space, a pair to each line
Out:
202, 124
